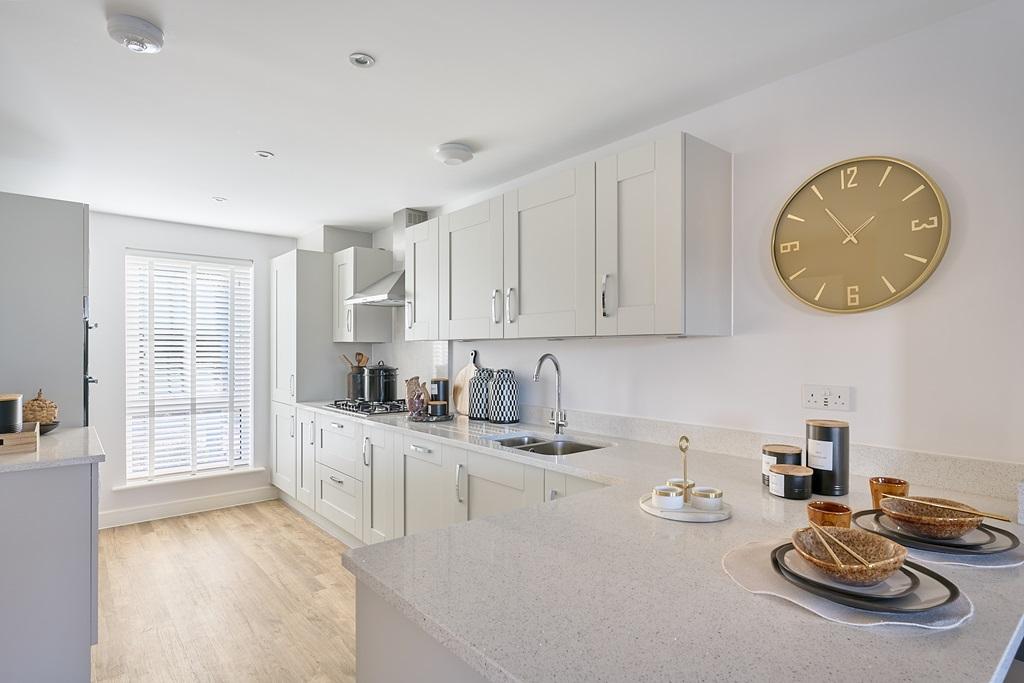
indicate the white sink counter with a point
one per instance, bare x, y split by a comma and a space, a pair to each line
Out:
59, 448
591, 588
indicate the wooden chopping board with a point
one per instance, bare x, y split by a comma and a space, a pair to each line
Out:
460, 387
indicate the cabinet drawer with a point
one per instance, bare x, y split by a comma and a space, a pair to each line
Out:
339, 498
340, 444
422, 449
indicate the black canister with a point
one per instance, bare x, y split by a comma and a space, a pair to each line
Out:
779, 454
356, 384
439, 388
828, 454
790, 481
10, 413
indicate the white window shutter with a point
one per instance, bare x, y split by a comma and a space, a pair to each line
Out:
189, 364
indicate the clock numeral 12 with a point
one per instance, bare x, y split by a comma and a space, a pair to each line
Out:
853, 295
932, 222
846, 177
787, 247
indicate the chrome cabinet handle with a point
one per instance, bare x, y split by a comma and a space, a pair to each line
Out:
366, 442
291, 428
348, 318
336, 480
458, 483
419, 449
337, 425
291, 384
408, 314
494, 310
312, 434
321, 437
508, 304
604, 296
552, 494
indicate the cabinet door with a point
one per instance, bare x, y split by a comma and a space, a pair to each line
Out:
639, 239
471, 296
558, 485
495, 485
283, 324
305, 461
421, 281
339, 498
549, 256
282, 470
423, 487
378, 485
344, 287
340, 444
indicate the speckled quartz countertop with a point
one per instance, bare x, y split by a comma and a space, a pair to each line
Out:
60, 448
590, 588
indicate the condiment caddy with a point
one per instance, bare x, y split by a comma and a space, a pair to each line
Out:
680, 500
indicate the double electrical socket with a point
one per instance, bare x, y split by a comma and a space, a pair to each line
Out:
827, 397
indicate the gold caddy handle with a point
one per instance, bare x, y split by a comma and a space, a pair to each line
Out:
684, 445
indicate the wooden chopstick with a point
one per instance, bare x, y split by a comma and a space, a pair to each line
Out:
978, 513
831, 552
841, 545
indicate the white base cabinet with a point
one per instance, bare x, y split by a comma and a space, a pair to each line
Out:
493, 486
378, 484
559, 485
340, 444
426, 489
282, 458
339, 499
305, 457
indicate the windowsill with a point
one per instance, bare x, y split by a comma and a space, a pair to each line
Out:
177, 479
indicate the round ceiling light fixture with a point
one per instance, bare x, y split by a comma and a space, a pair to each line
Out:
264, 154
134, 33
453, 153
361, 60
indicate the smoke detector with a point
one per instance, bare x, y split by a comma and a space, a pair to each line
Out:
453, 153
134, 33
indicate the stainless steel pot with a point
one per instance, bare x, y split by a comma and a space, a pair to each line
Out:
380, 383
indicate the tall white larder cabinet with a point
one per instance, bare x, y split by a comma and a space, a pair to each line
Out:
355, 269
304, 364
664, 240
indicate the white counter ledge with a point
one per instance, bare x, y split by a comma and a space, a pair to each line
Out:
62, 447
569, 590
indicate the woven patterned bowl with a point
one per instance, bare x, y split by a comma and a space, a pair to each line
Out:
931, 522
884, 556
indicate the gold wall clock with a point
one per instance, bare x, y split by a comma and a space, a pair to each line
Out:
860, 234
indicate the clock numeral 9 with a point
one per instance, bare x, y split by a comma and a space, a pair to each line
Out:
853, 295
846, 177
932, 222
787, 247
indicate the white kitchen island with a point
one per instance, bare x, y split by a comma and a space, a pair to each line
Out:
48, 571
590, 588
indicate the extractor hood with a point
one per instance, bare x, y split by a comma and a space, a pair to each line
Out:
390, 289
387, 291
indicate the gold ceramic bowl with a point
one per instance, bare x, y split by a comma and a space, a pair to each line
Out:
931, 522
884, 556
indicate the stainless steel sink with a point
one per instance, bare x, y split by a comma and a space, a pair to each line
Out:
560, 447
519, 441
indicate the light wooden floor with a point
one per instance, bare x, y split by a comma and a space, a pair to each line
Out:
250, 593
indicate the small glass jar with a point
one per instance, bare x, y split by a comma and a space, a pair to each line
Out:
667, 498
706, 498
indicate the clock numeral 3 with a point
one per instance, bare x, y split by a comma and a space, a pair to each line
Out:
853, 295
846, 178
929, 224
787, 247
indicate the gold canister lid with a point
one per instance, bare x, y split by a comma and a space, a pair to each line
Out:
706, 492
828, 423
770, 448
668, 491
792, 470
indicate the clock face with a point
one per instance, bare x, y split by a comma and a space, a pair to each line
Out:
860, 234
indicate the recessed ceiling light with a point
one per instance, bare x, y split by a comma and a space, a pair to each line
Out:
361, 60
453, 153
134, 33
219, 199
264, 154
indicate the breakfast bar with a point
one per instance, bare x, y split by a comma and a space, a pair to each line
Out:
591, 588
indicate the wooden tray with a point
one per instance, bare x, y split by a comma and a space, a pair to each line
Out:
25, 441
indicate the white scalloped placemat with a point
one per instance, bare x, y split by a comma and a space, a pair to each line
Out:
750, 566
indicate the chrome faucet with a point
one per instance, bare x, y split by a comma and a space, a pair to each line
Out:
557, 415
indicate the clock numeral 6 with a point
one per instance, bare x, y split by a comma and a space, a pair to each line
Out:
853, 295
787, 247
846, 177
932, 222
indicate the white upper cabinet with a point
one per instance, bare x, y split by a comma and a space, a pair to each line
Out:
421, 281
549, 256
664, 218
471, 284
355, 269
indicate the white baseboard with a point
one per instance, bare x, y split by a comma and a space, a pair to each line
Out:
325, 525
147, 513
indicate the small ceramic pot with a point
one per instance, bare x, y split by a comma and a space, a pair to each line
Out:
827, 513
667, 497
706, 498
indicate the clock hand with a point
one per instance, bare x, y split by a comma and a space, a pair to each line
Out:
860, 227
849, 235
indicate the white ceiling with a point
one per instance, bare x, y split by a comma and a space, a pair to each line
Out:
526, 83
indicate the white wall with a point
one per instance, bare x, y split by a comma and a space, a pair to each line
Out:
109, 236
937, 372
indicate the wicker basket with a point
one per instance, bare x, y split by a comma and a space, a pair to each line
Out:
39, 409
